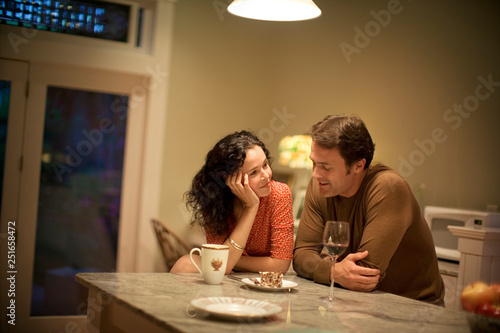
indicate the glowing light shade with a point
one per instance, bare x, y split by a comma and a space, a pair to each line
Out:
275, 10
294, 151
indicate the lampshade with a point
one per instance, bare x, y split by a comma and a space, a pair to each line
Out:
275, 10
294, 151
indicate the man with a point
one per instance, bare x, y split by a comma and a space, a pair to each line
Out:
391, 247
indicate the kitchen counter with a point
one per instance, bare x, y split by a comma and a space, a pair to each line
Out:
160, 302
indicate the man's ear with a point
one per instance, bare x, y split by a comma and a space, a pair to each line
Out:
359, 166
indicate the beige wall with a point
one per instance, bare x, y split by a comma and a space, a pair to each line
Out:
230, 73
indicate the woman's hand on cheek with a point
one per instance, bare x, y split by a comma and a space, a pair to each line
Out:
238, 183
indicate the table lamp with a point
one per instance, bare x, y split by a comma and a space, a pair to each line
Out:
294, 151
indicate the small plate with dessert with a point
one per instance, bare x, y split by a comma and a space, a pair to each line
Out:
269, 281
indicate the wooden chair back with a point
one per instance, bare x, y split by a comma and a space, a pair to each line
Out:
172, 246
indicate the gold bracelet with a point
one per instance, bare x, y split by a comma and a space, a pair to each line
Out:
235, 245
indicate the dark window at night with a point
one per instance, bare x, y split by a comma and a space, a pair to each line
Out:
96, 19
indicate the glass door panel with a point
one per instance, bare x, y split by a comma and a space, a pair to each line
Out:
4, 117
82, 141
79, 196
13, 82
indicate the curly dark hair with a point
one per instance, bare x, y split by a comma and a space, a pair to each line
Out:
346, 133
210, 199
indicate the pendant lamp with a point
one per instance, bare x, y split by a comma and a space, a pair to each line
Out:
275, 10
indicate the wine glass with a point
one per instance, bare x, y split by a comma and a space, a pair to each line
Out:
335, 241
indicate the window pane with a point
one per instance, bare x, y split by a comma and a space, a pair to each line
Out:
96, 19
79, 199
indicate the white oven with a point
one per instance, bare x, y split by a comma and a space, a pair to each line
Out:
439, 218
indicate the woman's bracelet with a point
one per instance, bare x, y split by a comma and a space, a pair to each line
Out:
235, 245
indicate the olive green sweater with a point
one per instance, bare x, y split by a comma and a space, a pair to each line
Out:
386, 220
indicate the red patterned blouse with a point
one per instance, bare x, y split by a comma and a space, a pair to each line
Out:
272, 231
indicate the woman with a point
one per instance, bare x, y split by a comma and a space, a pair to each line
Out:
235, 199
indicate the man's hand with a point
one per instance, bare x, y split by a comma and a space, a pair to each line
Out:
354, 277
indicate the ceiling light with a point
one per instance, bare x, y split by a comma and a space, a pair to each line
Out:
275, 10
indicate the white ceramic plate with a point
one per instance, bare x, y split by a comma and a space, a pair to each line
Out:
286, 285
239, 307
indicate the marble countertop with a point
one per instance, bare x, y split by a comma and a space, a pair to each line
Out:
163, 299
